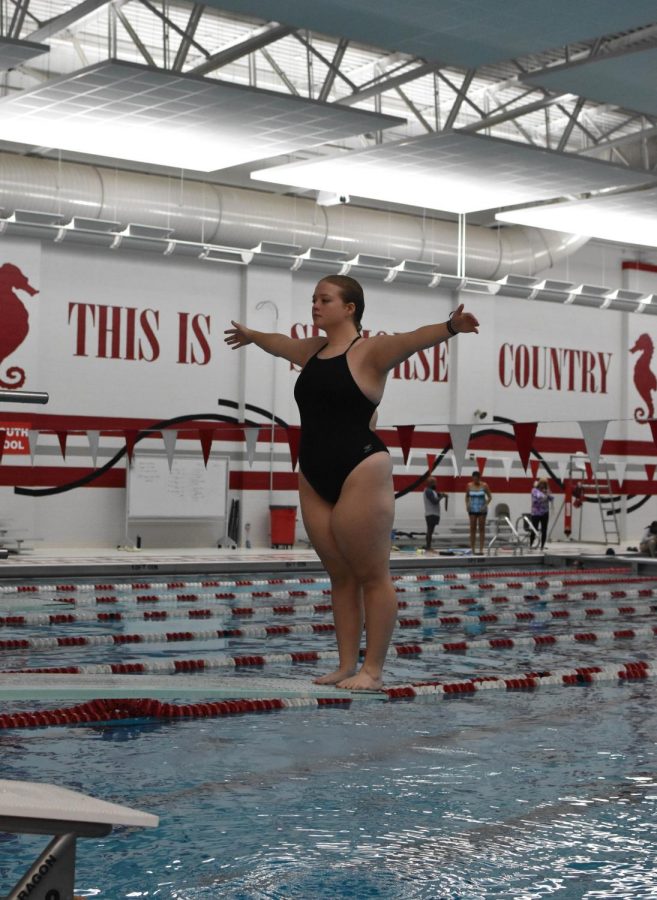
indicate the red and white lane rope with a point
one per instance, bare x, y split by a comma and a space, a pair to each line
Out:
274, 631
115, 711
427, 650
228, 599
488, 579
449, 617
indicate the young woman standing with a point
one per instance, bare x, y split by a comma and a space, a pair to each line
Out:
345, 482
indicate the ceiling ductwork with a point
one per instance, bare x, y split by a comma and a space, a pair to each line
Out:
219, 216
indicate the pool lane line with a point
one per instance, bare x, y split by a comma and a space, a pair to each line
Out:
226, 600
427, 650
452, 580
307, 629
140, 711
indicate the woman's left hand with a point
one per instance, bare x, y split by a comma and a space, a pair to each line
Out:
464, 322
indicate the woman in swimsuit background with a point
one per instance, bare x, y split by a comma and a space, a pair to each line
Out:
477, 499
345, 482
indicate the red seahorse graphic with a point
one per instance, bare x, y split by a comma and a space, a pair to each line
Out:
14, 320
644, 377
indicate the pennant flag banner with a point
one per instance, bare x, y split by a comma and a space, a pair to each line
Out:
525, 433
650, 470
130, 440
507, 462
409, 461
455, 465
293, 439
561, 469
94, 439
460, 435
405, 434
3, 437
594, 434
653, 429
61, 437
206, 436
621, 467
481, 464
534, 465
589, 471
169, 438
431, 461
251, 434
32, 439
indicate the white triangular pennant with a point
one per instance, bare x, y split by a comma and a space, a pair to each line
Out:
561, 468
594, 434
94, 439
460, 435
32, 439
621, 466
455, 465
409, 461
507, 462
251, 433
169, 437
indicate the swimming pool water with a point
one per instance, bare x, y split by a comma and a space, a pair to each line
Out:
512, 795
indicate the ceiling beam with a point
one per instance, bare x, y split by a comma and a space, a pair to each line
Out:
387, 84
256, 41
188, 37
65, 20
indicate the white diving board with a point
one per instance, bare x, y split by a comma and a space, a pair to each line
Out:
29, 807
22, 686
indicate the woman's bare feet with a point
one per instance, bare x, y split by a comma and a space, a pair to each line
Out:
334, 677
363, 681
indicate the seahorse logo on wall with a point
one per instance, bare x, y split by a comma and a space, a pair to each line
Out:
14, 321
644, 377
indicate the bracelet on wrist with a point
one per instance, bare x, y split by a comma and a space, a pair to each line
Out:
451, 328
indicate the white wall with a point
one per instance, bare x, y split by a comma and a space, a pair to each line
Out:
89, 389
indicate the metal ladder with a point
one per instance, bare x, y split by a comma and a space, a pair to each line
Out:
600, 486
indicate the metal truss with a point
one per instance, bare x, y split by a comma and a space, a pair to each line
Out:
202, 41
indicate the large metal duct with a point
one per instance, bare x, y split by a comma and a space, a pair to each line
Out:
235, 217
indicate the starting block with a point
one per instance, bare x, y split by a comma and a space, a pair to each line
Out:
28, 807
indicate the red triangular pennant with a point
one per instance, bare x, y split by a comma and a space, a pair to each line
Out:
3, 436
293, 439
524, 432
589, 471
405, 434
206, 436
481, 464
61, 437
650, 470
130, 440
431, 461
534, 466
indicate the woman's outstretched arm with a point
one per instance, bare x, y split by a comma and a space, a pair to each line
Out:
390, 350
296, 350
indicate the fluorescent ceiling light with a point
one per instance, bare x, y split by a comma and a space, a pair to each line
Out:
455, 172
127, 111
624, 218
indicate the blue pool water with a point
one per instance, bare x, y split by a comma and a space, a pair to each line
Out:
512, 795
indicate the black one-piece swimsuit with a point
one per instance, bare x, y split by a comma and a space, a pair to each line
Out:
335, 417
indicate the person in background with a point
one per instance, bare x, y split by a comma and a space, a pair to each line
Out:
540, 512
477, 499
432, 501
345, 482
648, 542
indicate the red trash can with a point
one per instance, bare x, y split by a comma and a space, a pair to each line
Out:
282, 523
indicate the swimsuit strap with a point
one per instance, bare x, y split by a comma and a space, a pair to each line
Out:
358, 336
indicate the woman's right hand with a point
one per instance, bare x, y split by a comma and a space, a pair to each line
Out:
238, 336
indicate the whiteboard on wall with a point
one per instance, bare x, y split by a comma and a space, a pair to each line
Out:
189, 491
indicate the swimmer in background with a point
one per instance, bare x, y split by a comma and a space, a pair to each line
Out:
477, 500
345, 482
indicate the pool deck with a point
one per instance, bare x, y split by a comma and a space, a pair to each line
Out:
91, 562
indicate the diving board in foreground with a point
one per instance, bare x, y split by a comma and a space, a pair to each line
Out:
24, 686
